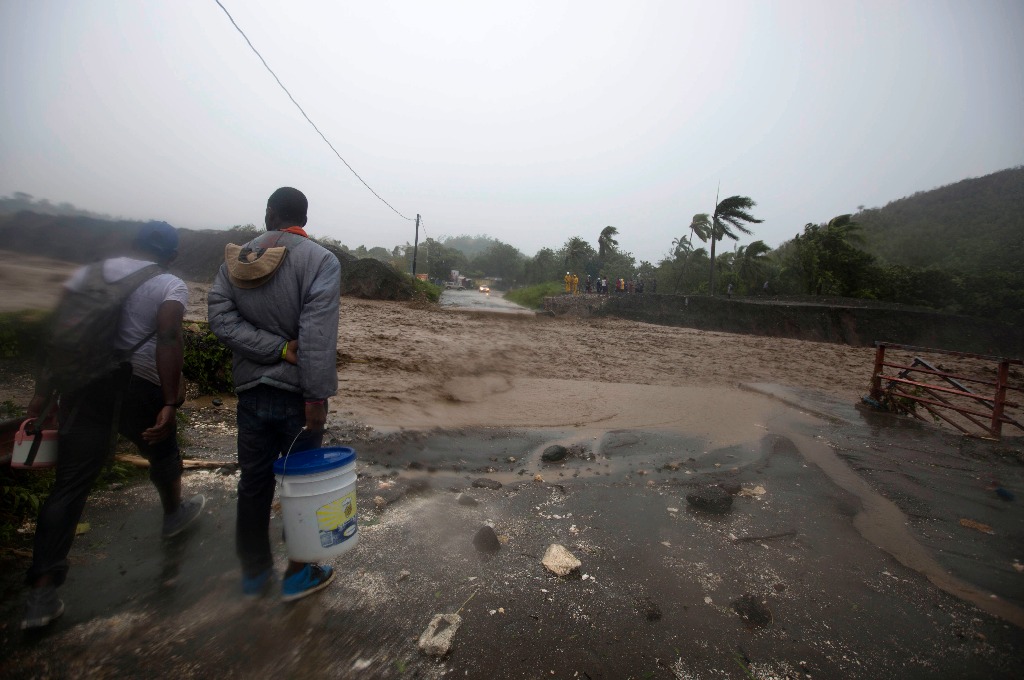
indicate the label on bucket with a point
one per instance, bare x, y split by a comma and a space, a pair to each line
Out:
337, 520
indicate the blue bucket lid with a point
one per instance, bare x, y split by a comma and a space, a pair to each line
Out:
314, 460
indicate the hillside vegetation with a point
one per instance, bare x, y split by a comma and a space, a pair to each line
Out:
974, 226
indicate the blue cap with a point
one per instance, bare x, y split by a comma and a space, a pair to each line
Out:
158, 238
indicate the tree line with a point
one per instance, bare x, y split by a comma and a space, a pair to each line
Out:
958, 249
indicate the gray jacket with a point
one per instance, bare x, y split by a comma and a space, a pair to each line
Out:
300, 301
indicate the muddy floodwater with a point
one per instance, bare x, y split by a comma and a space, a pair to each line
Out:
841, 557
853, 544
475, 300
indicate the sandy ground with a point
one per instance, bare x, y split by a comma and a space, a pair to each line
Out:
848, 530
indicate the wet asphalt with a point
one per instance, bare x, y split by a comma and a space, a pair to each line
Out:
826, 551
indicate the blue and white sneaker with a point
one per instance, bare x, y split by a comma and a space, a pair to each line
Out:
310, 579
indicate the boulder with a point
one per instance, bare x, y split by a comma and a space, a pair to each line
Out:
485, 483
486, 541
554, 454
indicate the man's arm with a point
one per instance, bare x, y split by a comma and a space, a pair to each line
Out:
318, 342
170, 356
234, 331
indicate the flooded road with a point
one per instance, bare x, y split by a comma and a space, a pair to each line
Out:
659, 589
476, 301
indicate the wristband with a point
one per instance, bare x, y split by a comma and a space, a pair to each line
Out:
174, 405
314, 402
284, 351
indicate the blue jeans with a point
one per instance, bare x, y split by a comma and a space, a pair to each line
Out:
269, 421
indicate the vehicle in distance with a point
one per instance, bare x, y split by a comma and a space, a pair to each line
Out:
485, 289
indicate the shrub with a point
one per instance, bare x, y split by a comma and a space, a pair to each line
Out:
533, 296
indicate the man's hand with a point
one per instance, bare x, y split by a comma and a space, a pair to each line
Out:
292, 355
316, 416
36, 405
162, 428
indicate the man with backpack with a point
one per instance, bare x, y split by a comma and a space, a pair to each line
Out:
275, 303
114, 357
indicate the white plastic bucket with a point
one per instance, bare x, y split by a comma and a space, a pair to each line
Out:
46, 454
318, 502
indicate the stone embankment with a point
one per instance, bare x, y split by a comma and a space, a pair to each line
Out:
854, 322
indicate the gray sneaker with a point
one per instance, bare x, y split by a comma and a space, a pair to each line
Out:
41, 607
187, 513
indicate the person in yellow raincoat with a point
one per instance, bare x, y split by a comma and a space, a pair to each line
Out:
575, 284
568, 282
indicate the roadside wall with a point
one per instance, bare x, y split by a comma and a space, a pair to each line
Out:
851, 325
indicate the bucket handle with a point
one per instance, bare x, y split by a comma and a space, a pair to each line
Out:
37, 439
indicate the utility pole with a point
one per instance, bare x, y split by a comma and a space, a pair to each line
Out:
415, 245
714, 228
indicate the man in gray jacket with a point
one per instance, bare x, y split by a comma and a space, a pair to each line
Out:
275, 304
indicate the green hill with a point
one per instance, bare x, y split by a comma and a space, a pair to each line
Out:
973, 226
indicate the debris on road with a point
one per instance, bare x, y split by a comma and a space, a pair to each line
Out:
486, 541
437, 639
710, 499
560, 561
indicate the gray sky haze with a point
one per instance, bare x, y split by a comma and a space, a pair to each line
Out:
530, 122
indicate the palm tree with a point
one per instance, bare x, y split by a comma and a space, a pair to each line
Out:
730, 212
606, 241
700, 226
752, 261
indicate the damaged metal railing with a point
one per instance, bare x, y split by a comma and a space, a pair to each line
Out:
941, 391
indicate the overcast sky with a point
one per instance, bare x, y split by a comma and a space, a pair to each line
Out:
529, 121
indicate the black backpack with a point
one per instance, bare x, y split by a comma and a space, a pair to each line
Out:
80, 346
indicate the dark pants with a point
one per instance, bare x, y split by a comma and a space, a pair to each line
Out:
85, 434
270, 421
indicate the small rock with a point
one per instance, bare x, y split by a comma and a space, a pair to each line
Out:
486, 541
538, 478
752, 491
217, 402
402, 575
731, 488
560, 561
711, 499
437, 639
752, 610
467, 500
485, 483
554, 454
380, 502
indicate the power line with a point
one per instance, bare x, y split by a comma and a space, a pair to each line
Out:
267, 66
